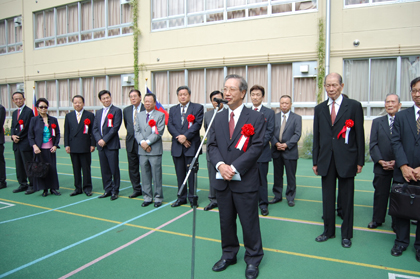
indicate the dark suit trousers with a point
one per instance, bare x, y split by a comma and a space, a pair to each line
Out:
2, 167
21, 157
328, 202
263, 189
382, 184
181, 170
110, 168
212, 177
279, 165
134, 167
244, 205
81, 162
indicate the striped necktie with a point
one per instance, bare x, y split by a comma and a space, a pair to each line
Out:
418, 122
391, 124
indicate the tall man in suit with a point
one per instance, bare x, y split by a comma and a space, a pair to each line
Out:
384, 159
131, 145
238, 181
23, 151
185, 139
338, 152
405, 142
150, 125
3, 183
80, 143
208, 115
257, 95
284, 148
105, 131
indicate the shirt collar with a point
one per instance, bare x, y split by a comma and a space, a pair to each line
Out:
107, 107
337, 101
137, 108
237, 111
22, 107
258, 108
416, 111
81, 112
221, 109
287, 114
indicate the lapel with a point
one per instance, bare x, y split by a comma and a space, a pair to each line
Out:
188, 112
326, 112
81, 124
106, 117
410, 120
224, 123
385, 125
243, 118
130, 116
288, 122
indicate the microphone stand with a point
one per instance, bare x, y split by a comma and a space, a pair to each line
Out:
193, 167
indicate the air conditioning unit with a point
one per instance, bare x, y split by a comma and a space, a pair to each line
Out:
127, 79
124, 2
20, 87
18, 21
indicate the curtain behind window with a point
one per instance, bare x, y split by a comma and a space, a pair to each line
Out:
159, 8
214, 81
176, 79
409, 71
2, 36
281, 81
126, 96
161, 87
115, 89
99, 18
356, 79
383, 78
49, 27
3, 96
61, 24
86, 12
91, 98
305, 91
99, 85
196, 84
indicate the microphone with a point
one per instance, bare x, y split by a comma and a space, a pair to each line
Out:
223, 101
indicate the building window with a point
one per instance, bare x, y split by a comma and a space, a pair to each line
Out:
82, 21
6, 92
354, 3
277, 79
60, 92
167, 14
11, 35
370, 80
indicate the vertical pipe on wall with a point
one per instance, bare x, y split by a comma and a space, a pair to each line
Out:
328, 38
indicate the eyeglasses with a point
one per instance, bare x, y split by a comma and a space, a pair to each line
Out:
42, 107
414, 91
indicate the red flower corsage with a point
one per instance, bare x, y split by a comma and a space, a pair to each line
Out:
152, 124
346, 130
247, 131
87, 123
190, 119
53, 126
110, 117
21, 124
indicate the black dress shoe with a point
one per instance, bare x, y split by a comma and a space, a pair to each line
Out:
223, 264
178, 202
374, 225
414, 222
275, 200
104, 195
291, 203
146, 203
114, 197
251, 271
55, 192
20, 189
45, 193
397, 250
88, 194
75, 193
346, 243
30, 190
134, 195
323, 237
264, 211
157, 204
2, 186
210, 206
418, 255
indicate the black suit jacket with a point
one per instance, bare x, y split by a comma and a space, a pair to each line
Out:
130, 139
36, 131
326, 144
405, 142
269, 132
2, 119
175, 128
26, 116
74, 135
380, 142
110, 134
222, 149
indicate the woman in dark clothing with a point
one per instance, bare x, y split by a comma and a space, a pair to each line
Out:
44, 136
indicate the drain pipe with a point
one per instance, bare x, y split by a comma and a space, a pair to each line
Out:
328, 38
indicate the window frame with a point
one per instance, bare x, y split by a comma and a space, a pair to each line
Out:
16, 44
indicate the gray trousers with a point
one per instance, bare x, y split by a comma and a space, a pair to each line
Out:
151, 168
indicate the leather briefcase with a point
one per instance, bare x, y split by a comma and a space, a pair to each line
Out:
37, 169
405, 201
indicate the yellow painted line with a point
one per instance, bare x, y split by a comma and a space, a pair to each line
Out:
218, 241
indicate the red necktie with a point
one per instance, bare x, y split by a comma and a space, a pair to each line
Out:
18, 114
256, 109
231, 124
333, 113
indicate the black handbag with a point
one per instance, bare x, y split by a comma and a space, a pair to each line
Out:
405, 201
37, 169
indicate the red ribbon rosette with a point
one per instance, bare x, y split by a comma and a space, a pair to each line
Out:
346, 130
190, 119
21, 124
87, 123
152, 124
53, 126
110, 117
247, 131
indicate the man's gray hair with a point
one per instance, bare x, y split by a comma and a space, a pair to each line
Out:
243, 85
393, 94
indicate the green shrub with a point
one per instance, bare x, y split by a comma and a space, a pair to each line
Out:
306, 149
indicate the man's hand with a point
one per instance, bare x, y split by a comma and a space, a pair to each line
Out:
101, 143
226, 171
15, 139
359, 168
408, 173
187, 144
53, 149
144, 145
68, 149
92, 148
387, 165
36, 149
416, 173
148, 149
315, 169
181, 139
